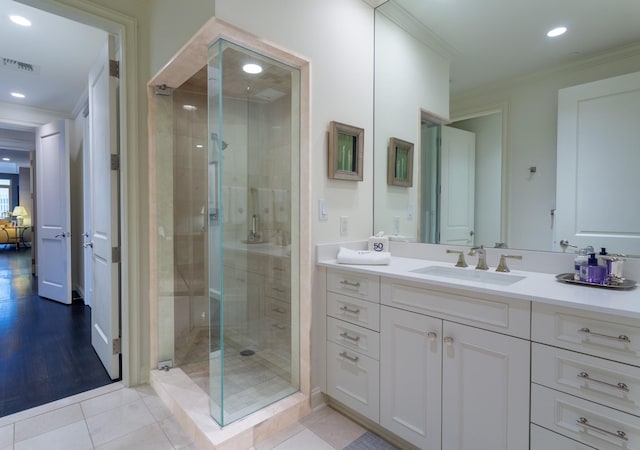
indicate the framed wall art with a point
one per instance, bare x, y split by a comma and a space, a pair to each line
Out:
400, 163
346, 144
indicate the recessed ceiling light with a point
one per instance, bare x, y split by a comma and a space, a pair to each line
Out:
6, 159
557, 31
189, 107
17, 95
199, 146
20, 20
252, 68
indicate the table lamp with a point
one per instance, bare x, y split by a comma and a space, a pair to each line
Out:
19, 212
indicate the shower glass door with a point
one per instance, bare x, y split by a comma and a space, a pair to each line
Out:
253, 203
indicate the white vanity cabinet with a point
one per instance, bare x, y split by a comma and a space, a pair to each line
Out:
353, 346
585, 378
449, 385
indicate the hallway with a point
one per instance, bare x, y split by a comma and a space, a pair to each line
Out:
45, 346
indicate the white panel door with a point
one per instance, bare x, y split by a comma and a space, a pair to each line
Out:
411, 376
485, 390
86, 203
104, 211
599, 148
457, 186
53, 215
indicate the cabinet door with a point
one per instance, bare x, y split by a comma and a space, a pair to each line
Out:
485, 390
411, 376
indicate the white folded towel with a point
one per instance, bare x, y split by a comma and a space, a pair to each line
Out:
347, 256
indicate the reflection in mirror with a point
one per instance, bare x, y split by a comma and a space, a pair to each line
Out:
458, 72
400, 163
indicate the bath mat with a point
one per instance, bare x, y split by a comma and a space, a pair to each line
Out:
370, 441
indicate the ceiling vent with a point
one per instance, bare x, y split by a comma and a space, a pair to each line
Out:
18, 66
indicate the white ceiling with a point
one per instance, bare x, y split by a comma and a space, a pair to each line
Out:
501, 39
61, 53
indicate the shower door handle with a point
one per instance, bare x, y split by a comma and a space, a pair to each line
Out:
88, 244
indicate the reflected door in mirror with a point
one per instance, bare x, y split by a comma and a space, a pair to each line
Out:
599, 149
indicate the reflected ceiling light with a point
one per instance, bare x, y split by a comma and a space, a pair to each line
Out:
252, 68
557, 31
199, 146
20, 20
6, 159
189, 107
17, 95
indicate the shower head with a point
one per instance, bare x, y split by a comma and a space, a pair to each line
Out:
214, 137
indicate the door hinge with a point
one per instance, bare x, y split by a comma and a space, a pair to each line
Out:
115, 254
117, 346
114, 68
115, 161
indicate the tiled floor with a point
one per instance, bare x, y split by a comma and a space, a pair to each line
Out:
111, 417
114, 417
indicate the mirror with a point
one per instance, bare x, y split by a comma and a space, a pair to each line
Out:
452, 69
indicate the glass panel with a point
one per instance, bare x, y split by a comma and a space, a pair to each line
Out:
254, 254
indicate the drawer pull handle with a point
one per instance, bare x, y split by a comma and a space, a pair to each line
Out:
278, 326
279, 310
278, 290
350, 284
432, 336
585, 423
350, 358
278, 269
348, 336
349, 310
449, 341
622, 337
621, 386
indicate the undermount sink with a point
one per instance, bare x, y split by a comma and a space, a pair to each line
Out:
481, 276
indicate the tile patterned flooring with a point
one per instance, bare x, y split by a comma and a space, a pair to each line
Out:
115, 417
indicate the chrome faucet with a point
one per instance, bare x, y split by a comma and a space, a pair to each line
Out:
482, 257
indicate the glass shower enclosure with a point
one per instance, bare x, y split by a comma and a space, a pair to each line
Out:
228, 251
253, 195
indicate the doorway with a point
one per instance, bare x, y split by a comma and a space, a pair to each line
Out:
77, 232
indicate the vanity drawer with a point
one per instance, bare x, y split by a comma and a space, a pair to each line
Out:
278, 310
584, 421
354, 380
354, 338
542, 439
508, 316
280, 289
353, 284
610, 337
356, 311
607, 382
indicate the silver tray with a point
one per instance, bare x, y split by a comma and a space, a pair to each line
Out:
568, 278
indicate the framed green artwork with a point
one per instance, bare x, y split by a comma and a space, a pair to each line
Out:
400, 163
346, 144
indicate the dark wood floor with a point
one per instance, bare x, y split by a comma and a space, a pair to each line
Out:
45, 346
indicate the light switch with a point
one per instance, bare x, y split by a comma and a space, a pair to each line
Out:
323, 210
410, 212
396, 225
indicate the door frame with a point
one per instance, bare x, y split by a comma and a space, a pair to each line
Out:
135, 341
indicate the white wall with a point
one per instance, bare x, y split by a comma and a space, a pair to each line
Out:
532, 135
337, 37
415, 78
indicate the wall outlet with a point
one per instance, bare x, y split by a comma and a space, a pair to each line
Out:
323, 210
344, 225
410, 212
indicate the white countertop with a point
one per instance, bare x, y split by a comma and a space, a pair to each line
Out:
535, 287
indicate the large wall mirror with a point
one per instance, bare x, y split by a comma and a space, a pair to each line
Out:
451, 76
